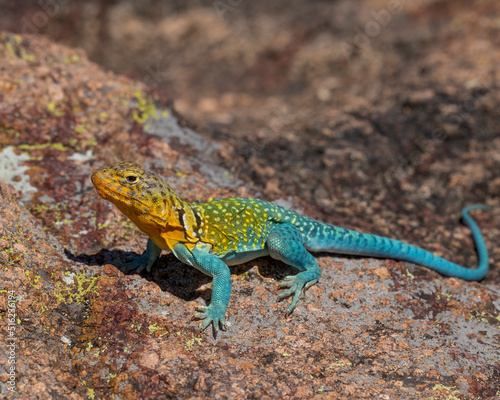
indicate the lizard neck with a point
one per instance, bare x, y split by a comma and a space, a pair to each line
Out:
179, 221
168, 219
183, 216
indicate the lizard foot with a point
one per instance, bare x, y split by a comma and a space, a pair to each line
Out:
147, 259
211, 315
137, 265
295, 284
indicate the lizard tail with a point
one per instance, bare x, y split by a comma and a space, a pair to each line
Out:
340, 240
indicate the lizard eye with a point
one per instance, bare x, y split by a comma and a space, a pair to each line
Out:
131, 178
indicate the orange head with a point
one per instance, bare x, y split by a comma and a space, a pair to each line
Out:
149, 202
141, 195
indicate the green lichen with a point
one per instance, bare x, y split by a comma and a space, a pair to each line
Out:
128, 224
26, 56
449, 391
445, 295
10, 49
127, 349
98, 352
10, 256
482, 316
92, 143
16, 50
81, 128
13, 239
77, 291
191, 343
52, 107
153, 328
32, 279
111, 376
11, 132
73, 59
146, 108
43, 146
102, 226
338, 364
136, 327
245, 276
10, 250
52, 213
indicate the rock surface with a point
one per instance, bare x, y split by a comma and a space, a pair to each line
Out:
368, 329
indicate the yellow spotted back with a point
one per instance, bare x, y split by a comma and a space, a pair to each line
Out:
234, 224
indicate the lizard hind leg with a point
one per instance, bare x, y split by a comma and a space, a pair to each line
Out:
286, 243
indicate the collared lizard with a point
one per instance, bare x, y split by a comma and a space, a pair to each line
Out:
223, 232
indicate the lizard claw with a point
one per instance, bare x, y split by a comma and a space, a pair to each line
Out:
137, 265
146, 260
211, 315
202, 314
295, 284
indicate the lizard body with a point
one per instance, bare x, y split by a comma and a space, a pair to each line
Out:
214, 235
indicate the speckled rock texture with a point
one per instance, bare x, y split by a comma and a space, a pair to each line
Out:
84, 330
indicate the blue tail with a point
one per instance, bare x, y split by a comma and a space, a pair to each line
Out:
333, 239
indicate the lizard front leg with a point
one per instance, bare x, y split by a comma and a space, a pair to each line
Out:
221, 286
146, 260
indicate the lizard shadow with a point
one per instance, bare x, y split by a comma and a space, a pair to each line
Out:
181, 280
170, 274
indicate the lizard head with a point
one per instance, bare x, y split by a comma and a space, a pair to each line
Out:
141, 195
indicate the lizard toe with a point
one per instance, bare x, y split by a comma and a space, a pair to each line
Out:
210, 315
288, 281
310, 283
294, 284
197, 316
295, 299
203, 325
286, 293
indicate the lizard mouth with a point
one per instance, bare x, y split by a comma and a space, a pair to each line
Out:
103, 186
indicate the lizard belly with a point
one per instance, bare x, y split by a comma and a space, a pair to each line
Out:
235, 257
